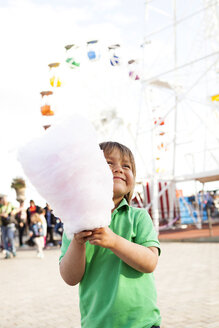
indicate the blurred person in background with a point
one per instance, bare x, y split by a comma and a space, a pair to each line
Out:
33, 208
7, 219
44, 223
51, 221
59, 229
36, 233
21, 218
1, 243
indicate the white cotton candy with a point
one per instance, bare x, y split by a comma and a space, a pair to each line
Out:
70, 172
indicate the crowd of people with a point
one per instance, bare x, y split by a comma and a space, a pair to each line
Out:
34, 226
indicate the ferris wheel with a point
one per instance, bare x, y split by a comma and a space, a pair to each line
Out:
98, 80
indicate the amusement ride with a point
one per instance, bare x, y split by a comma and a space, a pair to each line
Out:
173, 88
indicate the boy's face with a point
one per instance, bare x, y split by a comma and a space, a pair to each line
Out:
123, 179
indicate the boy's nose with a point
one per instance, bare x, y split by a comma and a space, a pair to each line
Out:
117, 168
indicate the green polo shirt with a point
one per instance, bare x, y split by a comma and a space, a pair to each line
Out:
113, 294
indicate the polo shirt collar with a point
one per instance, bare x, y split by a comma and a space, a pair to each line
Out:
122, 204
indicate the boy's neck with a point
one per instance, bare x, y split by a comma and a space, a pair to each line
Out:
117, 201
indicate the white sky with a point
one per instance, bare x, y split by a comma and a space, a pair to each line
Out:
34, 35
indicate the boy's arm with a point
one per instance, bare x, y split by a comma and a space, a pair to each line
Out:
72, 265
141, 258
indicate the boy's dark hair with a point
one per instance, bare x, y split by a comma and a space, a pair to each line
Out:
109, 146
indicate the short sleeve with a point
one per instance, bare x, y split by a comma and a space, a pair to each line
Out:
65, 243
145, 233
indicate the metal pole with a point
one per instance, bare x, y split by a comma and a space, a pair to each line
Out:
176, 97
172, 189
197, 207
209, 221
155, 207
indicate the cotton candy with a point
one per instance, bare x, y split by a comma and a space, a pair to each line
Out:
70, 172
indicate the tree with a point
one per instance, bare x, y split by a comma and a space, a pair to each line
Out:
19, 185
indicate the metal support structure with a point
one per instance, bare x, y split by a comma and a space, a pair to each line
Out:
178, 98
199, 218
155, 207
173, 186
213, 4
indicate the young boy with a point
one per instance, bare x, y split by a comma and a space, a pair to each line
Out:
114, 265
36, 232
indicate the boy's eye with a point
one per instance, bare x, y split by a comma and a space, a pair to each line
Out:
109, 162
127, 166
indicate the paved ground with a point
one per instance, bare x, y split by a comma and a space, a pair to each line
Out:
33, 294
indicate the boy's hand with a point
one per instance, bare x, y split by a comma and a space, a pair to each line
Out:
103, 237
82, 237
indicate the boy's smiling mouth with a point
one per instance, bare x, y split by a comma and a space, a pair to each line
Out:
120, 178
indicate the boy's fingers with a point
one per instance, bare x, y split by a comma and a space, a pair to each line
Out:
84, 234
87, 233
94, 235
97, 229
94, 241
